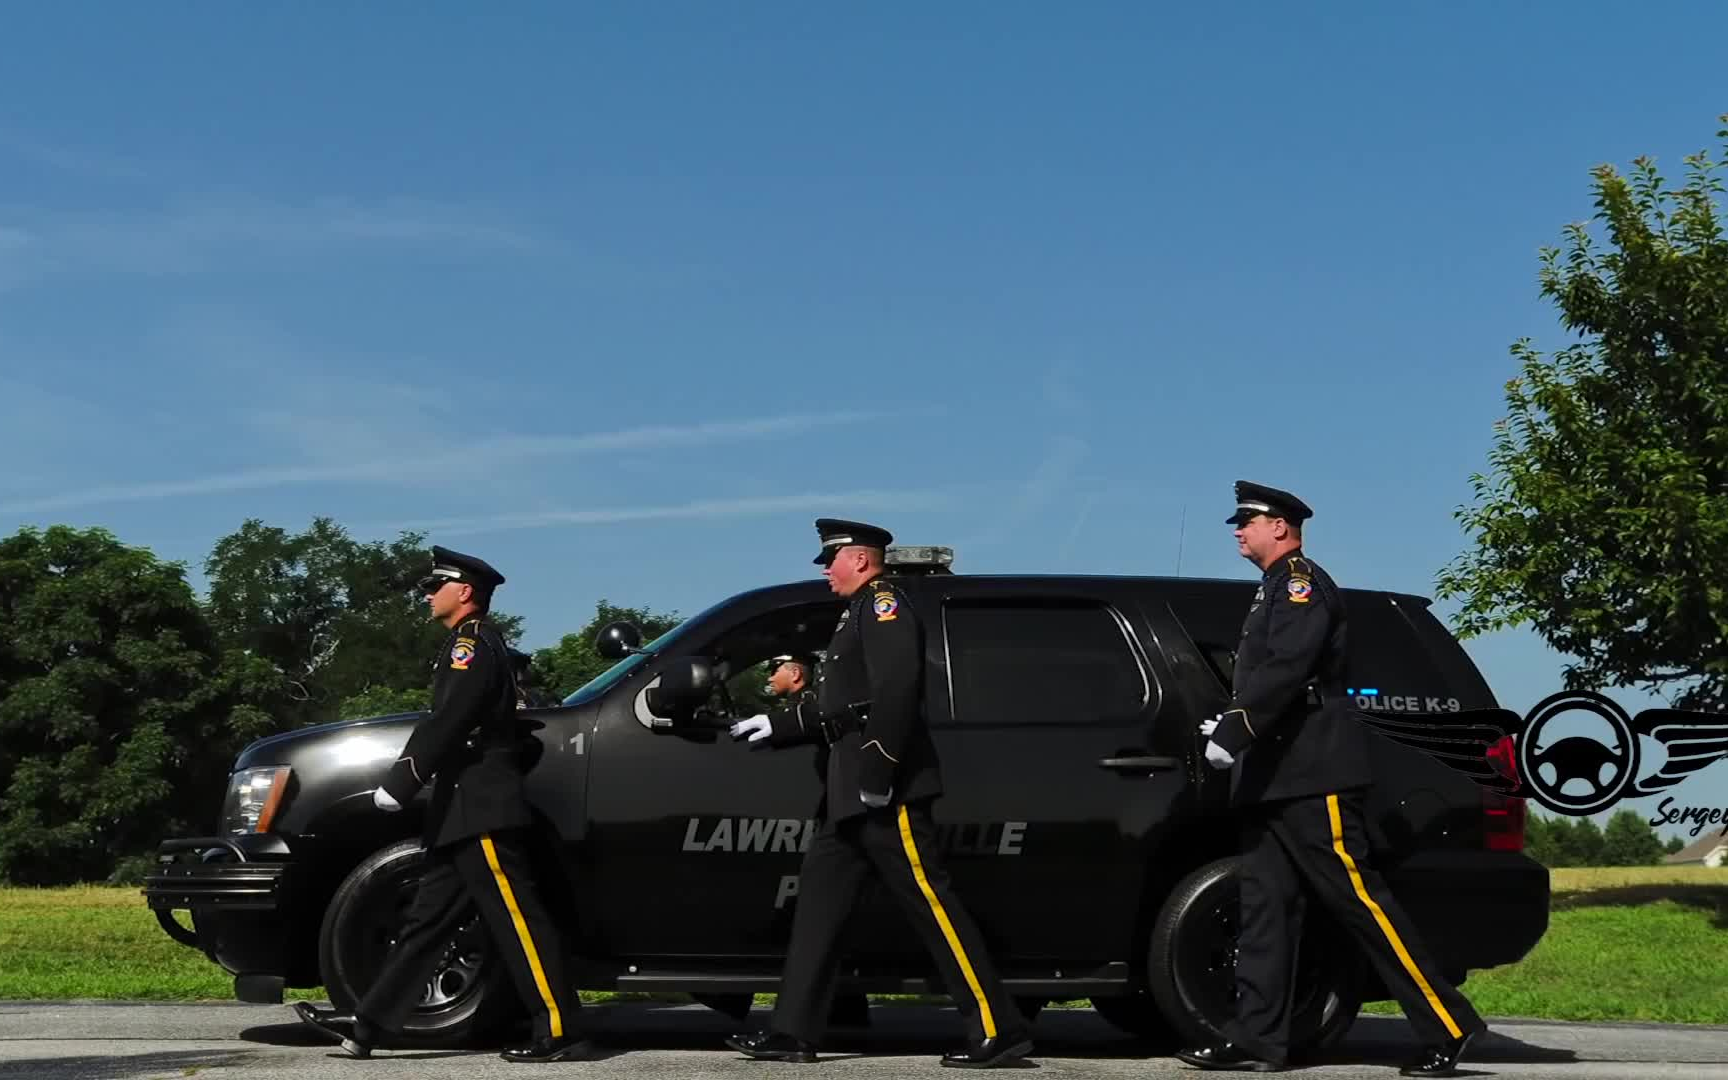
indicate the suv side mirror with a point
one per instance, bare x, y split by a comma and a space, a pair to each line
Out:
685, 683
617, 640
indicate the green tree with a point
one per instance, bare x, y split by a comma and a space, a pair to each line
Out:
1605, 524
382, 701
1630, 841
1540, 842
1674, 846
564, 667
116, 720
318, 624
1581, 843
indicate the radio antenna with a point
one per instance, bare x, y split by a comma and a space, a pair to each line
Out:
1181, 534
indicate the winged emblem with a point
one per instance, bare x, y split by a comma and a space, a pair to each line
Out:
1466, 742
1693, 740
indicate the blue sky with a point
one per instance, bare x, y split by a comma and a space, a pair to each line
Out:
622, 298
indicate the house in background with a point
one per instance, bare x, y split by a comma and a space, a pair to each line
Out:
1711, 849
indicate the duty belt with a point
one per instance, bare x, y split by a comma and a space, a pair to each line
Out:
836, 726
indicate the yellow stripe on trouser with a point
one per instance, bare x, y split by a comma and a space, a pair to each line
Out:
1380, 917
947, 927
523, 936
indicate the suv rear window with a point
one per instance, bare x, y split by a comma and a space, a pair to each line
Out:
1402, 658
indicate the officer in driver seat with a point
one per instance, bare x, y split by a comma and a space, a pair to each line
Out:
791, 676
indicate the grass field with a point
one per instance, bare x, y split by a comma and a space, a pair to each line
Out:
1647, 944
1643, 943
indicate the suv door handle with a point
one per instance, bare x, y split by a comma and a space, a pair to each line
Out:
1140, 763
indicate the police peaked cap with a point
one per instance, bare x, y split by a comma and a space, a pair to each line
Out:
450, 565
808, 661
1254, 499
837, 534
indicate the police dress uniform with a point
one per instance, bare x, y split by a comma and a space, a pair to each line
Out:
1301, 766
869, 706
477, 854
797, 722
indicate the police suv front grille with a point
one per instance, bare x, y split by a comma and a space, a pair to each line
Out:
236, 886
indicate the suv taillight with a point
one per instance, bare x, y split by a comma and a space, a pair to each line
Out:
1503, 816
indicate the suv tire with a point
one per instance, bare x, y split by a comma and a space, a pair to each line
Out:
468, 1000
1191, 965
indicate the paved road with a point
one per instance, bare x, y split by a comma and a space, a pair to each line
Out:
102, 1041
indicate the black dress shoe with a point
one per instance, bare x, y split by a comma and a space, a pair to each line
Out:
329, 1021
564, 1048
1439, 1060
989, 1053
356, 1039
1228, 1056
773, 1046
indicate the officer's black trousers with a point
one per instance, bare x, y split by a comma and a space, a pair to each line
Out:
489, 873
897, 846
1319, 845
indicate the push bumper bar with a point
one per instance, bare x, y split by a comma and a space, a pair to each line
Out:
205, 874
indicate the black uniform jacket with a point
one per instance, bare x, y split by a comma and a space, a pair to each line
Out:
1289, 723
796, 721
873, 675
471, 744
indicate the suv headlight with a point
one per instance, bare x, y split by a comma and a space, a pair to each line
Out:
254, 795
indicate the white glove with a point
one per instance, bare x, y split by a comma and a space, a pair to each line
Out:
876, 801
758, 727
382, 800
1217, 756
1207, 727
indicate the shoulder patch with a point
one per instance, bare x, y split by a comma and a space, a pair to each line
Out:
1300, 590
885, 605
462, 653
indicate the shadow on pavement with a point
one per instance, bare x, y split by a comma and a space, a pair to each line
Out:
120, 1066
1386, 1040
914, 1031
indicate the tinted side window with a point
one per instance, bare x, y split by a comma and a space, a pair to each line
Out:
1397, 665
1025, 662
1212, 617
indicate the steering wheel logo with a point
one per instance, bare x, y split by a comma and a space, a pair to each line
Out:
1578, 774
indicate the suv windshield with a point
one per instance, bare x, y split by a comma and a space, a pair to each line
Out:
604, 681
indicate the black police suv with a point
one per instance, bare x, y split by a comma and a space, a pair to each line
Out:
1088, 837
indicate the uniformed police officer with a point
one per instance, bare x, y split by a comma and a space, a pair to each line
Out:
792, 678
1300, 765
875, 820
476, 847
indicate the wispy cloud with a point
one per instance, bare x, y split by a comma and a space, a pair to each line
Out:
472, 458
208, 236
1059, 391
84, 164
1044, 483
704, 508
1079, 523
